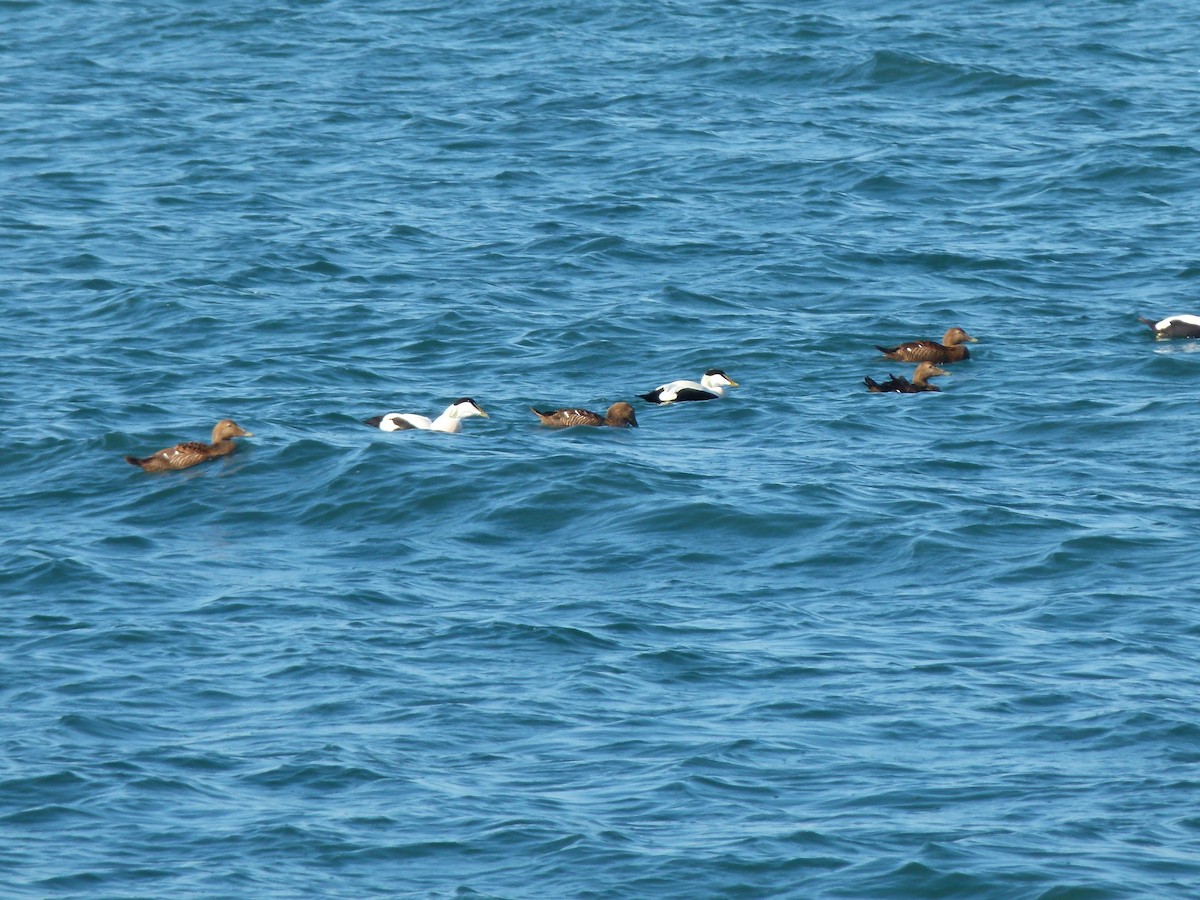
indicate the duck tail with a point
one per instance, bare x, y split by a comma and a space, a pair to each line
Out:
886, 351
134, 461
872, 385
1147, 322
651, 397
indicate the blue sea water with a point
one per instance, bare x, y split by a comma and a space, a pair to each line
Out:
801, 642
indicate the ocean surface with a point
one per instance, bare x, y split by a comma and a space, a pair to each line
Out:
801, 642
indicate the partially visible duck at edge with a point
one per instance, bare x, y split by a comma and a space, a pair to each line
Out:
950, 349
619, 415
190, 453
449, 422
919, 384
1173, 327
710, 387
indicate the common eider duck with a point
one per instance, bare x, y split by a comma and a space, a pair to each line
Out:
449, 422
1173, 327
919, 384
710, 387
619, 415
189, 453
950, 350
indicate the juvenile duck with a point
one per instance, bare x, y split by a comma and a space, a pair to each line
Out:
619, 415
919, 384
1173, 327
189, 453
710, 387
448, 422
950, 350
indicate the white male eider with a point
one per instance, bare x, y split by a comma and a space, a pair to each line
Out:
448, 422
710, 387
1173, 327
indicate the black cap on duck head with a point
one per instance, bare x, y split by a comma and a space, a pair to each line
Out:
468, 401
717, 378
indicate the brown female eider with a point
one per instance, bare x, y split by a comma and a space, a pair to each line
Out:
919, 384
448, 422
710, 387
189, 453
948, 351
619, 415
1173, 327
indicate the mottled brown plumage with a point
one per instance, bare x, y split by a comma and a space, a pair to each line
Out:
948, 351
919, 384
619, 415
189, 453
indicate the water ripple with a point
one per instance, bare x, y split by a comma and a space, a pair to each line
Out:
802, 641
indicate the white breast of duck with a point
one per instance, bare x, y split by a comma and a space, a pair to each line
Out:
449, 422
710, 387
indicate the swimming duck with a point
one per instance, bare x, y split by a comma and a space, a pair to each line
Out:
1173, 327
448, 422
948, 351
619, 415
901, 385
710, 387
189, 453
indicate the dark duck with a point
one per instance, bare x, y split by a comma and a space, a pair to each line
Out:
918, 385
190, 453
950, 349
619, 415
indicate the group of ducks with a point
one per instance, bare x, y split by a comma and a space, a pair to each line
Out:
620, 415
927, 354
